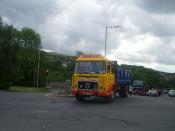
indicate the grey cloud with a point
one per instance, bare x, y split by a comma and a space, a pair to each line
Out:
163, 53
143, 22
85, 23
160, 53
28, 13
78, 20
134, 58
158, 6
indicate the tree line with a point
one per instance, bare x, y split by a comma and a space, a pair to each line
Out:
18, 55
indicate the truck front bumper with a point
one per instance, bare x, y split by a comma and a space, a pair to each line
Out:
88, 92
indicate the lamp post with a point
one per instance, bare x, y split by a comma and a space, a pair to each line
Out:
106, 34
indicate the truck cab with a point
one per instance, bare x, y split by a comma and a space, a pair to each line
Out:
94, 75
139, 87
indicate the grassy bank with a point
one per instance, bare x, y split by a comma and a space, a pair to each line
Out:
28, 89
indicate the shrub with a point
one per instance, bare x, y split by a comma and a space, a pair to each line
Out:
5, 85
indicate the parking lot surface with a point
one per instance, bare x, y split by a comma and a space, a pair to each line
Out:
38, 112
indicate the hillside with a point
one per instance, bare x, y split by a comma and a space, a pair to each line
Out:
155, 79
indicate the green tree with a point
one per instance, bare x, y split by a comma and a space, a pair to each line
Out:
27, 57
8, 52
19, 53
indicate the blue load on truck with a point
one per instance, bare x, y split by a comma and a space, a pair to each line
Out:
123, 79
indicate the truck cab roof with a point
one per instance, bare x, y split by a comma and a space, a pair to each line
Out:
91, 58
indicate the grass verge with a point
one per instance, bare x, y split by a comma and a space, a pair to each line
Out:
28, 89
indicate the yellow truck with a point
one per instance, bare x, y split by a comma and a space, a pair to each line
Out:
95, 75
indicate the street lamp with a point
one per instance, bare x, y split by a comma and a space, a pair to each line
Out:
107, 34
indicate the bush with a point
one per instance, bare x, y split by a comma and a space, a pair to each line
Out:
5, 85
28, 89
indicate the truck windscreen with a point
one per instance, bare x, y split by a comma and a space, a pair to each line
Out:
90, 67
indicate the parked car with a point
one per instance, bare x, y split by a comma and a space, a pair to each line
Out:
152, 92
149, 93
171, 93
165, 91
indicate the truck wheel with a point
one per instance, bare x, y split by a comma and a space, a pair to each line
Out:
126, 91
80, 98
112, 97
123, 92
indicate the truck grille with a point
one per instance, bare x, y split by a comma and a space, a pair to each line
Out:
87, 85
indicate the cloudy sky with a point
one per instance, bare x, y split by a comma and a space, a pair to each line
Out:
146, 36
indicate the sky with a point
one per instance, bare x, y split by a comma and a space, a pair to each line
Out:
146, 37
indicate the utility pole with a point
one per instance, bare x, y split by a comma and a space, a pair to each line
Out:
37, 81
47, 75
34, 77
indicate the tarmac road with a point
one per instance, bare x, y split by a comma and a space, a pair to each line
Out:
38, 112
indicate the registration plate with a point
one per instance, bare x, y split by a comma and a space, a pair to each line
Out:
86, 93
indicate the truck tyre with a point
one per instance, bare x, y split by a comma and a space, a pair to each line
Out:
126, 91
80, 98
123, 91
112, 97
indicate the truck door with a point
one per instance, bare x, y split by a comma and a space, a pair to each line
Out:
110, 75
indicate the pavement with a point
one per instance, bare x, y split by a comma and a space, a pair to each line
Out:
39, 112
